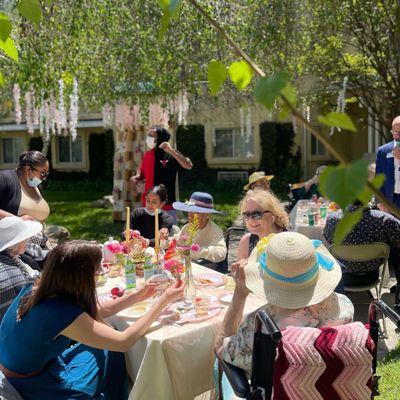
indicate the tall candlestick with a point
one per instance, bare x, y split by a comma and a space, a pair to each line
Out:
128, 224
156, 235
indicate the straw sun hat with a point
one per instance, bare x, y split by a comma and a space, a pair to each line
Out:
257, 176
293, 271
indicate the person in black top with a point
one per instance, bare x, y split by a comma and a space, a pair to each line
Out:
143, 218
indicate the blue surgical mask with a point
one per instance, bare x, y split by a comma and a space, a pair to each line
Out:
34, 182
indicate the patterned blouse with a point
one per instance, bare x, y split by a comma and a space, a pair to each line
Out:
374, 226
337, 309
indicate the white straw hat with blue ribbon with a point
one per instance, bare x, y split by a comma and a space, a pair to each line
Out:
293, 271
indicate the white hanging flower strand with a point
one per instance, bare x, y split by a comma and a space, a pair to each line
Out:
73, 113
107, 116
29, 112
17, 104
249, 128
241, 122
62, 123
341, 101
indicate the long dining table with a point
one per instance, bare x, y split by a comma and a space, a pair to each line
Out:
174, 360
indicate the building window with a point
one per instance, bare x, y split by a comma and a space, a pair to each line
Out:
317, 148
231, 143
70, 151
12, 148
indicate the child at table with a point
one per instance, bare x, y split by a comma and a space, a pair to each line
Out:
37, 330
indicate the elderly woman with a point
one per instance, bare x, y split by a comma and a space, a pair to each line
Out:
209, 237
14, 273
263, 214
258, 181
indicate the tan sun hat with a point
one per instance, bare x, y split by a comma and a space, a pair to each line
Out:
257, 176
293, 271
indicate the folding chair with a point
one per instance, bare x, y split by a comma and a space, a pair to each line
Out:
308, 363
365, 252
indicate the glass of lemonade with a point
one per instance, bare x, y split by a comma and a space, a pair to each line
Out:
202, 305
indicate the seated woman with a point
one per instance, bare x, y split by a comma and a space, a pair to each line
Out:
14, 273
258, 180
36, 354
309, 188
263, 214
209, 237
143, 218
306, 302
20, 196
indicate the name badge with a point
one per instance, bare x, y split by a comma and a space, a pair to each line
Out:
389, 155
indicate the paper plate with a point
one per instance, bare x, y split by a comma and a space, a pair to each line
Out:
134, 311
209, 279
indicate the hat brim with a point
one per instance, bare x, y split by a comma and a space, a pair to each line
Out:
31, 228
177, 205
292, 296
266, 177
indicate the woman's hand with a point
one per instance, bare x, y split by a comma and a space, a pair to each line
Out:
27, 217
147, 291
173, 292
239, 276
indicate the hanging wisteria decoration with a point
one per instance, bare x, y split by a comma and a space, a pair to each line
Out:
308, 114
29, 112
107, 116
341, 101
62, 118
249, 123
73, 116
17, 104
241, 113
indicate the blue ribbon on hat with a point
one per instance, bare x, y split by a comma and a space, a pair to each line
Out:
322, 261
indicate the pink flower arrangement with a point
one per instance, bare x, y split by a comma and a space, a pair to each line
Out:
174, 266
118, 248
195, 247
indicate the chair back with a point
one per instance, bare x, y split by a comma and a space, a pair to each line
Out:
234, 233
361, 252
311, 363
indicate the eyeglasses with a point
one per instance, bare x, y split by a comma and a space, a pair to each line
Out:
43, 175
256, 215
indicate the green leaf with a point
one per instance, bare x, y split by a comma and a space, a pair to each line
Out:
290, 93
338, 120
30, 9
345, 225
240, 73
170, 9
216, 76
268, 89
377, 182
344, 183
5, 27
283, 113
9, 48
1, 79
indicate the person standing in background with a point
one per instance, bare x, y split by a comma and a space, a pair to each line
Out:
160, 165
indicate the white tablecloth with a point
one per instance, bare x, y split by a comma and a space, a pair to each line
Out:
174, 362
299, 222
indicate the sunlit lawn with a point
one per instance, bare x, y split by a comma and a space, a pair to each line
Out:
389, 370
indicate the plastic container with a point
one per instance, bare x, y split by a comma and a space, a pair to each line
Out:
311, 217
108, 255
148, 267
130, 274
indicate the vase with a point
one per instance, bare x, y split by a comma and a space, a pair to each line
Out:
190, 286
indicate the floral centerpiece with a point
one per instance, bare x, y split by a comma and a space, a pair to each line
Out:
177, 257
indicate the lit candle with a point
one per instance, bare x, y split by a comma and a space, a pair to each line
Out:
156, 235
128, 224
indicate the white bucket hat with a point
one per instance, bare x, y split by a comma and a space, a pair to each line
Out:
291, 273
14, 230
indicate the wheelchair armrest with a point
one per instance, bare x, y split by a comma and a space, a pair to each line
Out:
387, 311
237, 379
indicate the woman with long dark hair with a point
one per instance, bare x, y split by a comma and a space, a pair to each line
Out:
36, 354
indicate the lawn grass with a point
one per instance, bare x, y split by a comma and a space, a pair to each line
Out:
72, 210
389, 370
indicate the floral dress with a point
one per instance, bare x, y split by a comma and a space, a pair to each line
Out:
335, 310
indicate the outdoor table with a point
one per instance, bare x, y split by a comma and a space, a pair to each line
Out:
175, 361
299, 221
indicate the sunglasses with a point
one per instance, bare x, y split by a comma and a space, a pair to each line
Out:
43, 175
256, 215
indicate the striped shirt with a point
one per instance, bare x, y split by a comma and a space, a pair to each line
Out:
13, 278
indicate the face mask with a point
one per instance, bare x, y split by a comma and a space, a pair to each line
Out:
150, 142
34, 182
